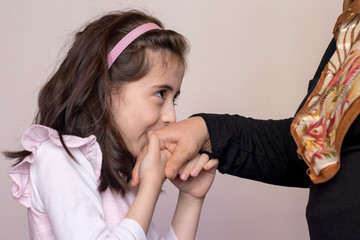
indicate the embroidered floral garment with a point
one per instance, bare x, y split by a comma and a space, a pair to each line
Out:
321, 124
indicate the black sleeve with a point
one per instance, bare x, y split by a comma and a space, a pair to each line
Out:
261, 150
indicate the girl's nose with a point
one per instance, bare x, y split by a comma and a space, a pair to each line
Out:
168, 115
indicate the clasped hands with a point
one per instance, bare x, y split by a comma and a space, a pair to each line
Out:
177, 146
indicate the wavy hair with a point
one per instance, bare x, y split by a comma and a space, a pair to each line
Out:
76, 100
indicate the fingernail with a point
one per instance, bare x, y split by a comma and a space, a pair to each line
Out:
194, 173
184, 176
169, 172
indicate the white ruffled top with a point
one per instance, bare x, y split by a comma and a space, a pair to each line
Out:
61, 195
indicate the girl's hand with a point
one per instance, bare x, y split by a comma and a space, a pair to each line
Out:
151, 173
196, 177
153, 161
184, 140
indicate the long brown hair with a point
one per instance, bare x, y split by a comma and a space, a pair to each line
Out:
76, 99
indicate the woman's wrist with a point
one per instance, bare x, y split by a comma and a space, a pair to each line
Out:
206, 143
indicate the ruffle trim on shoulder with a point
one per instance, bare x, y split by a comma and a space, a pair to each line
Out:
32, 139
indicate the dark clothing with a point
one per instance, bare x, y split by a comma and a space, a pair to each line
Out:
264, 150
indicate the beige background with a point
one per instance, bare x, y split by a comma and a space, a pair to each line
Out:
248, 57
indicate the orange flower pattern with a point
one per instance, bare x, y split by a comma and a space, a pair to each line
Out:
316, 123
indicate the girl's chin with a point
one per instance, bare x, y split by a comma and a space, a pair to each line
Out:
137, 150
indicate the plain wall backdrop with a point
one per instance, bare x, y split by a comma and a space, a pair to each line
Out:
252, 58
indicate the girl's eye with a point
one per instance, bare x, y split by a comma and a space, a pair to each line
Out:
175, 100
160, 94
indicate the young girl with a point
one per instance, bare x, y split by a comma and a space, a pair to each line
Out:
118, 82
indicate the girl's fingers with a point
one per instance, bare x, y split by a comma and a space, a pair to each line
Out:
188, 166
135, 180
179, 156
193, 167
212, 163
203, 159
154, 144
182, 169
152, 150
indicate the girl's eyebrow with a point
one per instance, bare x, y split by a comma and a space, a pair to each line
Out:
168, 87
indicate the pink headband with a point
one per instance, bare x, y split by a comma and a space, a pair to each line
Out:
129, 38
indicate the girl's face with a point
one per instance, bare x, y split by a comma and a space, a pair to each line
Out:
148, 103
